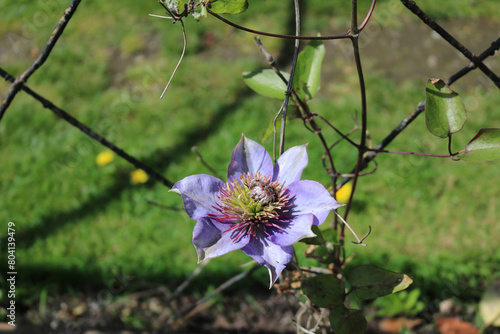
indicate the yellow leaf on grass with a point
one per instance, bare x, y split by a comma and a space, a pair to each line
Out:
104, 158
139, 176
344, 193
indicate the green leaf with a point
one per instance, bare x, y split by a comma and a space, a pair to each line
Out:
412, 299
444, 110
483, 147
229, 6
267, 83
368, 281
269, 130
292, 112
403, 304
344, 321
308, 70
331, 235
321, 253
324, 291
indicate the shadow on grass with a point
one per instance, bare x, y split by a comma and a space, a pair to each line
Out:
158, 160
105, 285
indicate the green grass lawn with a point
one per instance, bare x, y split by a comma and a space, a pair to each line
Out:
77, 223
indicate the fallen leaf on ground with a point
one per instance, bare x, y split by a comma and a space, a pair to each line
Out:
455, 326
397, 324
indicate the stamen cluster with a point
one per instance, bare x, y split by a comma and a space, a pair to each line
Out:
252, 204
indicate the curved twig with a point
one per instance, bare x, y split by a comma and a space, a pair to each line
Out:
360, 241
364, 117
180, 59
199, 157
263, 33
368, 16
351, 175
387, 140
184, 38
413, 153
23, 78
336, 130
190, 311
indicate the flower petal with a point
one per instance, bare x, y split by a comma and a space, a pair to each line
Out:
274, 257
312, 197
210, 240
299, 228
199, 194
249, 156
290, 165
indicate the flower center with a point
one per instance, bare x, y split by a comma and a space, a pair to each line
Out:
253, 204
263, 192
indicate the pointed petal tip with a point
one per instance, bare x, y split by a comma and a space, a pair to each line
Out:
248, 156
291, 164
201, 257
338, 205
243, 138
271, 280
174, 190
309, 235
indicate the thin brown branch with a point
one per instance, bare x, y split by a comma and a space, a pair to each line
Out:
369, 156
374, 169
415, 153
89, 132
452, 40
471, 66
190, 311
364, 120
199, 157
289, 88
188, 281
311, 38
23, 78
306, 114
354, 16
263, 33
368, 16
345, 137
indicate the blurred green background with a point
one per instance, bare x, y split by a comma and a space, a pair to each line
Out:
78, 223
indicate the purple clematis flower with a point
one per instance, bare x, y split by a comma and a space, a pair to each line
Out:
262, 209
